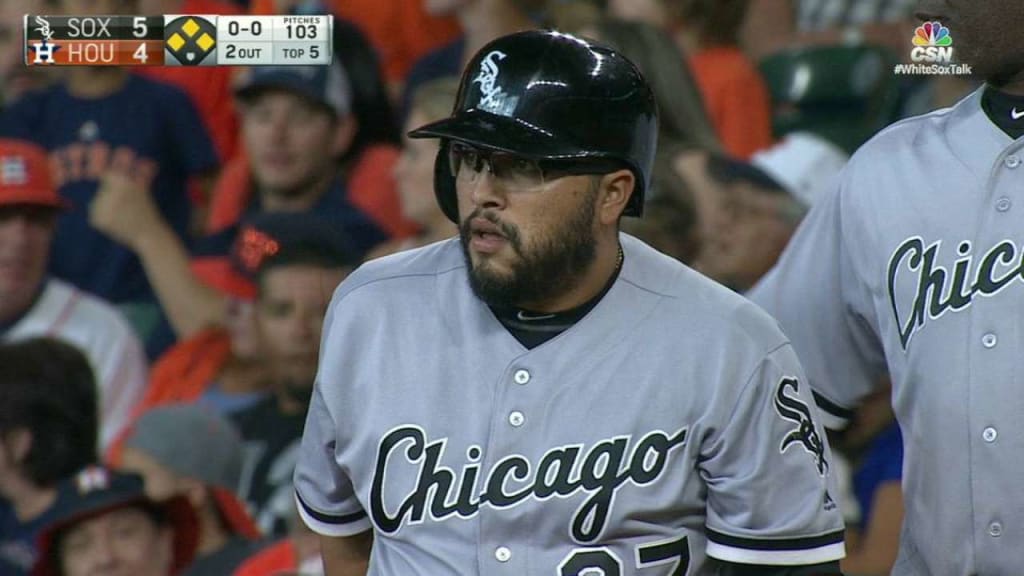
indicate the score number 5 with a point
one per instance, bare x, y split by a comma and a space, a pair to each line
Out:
603, 562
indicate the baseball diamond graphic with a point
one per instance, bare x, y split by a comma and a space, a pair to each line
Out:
190, 39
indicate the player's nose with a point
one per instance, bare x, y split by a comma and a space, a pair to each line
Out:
485, 192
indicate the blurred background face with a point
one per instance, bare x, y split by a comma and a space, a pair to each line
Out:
291, 142
25, 234
240, 322
124, 542
648, 11
290, 315
749, 238
414, 175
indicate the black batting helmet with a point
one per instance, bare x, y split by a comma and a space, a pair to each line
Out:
551, 96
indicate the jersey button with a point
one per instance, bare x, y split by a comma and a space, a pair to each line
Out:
502, 554
1003, 204
995, 529
516, 418
1012, 161
989, 340
521, 376
989, 434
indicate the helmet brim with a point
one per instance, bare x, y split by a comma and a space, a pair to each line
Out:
491, 131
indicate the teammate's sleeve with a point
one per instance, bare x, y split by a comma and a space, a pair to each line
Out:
770, 490
820, 299
324, 494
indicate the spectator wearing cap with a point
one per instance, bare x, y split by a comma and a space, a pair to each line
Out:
302, 262
193, 451
32, 304
748, 218
297, 126
48, 430
101, 121
104, 523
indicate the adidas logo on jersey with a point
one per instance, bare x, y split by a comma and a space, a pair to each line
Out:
937, 289
441, 492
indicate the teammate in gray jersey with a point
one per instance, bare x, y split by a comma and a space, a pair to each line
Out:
913, 265
545, 395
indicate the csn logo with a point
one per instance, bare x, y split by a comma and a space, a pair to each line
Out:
932, 44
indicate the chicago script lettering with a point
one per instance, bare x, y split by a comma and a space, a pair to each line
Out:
441, 493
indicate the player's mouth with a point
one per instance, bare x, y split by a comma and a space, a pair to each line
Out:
485, 236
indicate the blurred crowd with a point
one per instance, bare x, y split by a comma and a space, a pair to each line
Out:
170, 239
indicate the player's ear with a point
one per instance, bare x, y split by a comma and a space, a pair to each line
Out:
614, 192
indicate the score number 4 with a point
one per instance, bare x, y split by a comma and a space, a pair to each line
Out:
602, 562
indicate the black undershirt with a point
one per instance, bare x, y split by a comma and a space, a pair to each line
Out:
1005, 111
532, 329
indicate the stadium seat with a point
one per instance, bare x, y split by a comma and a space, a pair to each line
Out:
842, 93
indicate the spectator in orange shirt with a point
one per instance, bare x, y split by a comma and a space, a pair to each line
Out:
734, 92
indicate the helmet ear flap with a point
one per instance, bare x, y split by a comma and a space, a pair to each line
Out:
444, 184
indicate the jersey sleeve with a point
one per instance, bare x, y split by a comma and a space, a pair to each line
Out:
768, 474
825, 309
324, 494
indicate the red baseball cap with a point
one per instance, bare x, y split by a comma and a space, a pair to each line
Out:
25, 176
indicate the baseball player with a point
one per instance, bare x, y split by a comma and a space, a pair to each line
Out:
544, 395
912, 265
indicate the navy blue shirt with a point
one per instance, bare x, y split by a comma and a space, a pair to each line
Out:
148, 127
335, 207
882, 463
18, 540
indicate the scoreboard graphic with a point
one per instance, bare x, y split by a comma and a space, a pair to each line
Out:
178, 40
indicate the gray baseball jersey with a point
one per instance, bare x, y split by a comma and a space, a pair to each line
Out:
670, 424
914, 264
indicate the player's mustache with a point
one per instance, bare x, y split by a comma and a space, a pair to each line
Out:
507, 230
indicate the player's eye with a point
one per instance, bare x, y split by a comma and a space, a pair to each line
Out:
464, 161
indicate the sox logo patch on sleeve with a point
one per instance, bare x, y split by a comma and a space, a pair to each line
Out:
614, 448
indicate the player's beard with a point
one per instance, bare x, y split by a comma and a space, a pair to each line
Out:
550, 266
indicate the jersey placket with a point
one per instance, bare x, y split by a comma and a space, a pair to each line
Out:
995, 367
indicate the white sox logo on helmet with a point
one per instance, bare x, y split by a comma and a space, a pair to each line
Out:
493, 98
